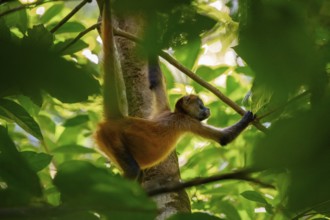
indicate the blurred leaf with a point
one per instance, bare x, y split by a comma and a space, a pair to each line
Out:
51, 12
245, 70
276, 45
193, 216
254, 196
22, 182
208, 74
37, 161
230, 211
74, 149
39, 36
188, 54
83, 185
17, 19
46, 123
19, 115
300, 145
70, 27
31, 68
231, 84
77, 120
149, 5
77, 46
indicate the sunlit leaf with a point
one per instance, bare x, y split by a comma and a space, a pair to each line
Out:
254, 196
71, 27
37, 161
102, 192
22, 182
19, 115
51, 12
74, 149
17, 19
77, 120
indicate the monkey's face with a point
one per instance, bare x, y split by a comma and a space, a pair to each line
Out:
195, 107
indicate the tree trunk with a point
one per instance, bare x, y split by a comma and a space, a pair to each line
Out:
135, 71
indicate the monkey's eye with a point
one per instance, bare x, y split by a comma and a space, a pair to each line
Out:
201, 106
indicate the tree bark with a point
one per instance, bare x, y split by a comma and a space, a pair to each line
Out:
140, 98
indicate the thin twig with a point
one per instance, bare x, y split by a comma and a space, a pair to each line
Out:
72, 13
80, 35
238, 175
285, 104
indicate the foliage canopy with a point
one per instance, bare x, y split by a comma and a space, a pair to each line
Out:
269, 56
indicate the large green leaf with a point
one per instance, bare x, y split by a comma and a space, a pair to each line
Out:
52, 12
22, 183
37, 161
18, 114
83, 185
254, 196
32, 67
77, 120
18, 18
74, 149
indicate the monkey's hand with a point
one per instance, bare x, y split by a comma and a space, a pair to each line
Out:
230, 133
248, 117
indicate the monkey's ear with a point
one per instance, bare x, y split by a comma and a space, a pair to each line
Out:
186, 99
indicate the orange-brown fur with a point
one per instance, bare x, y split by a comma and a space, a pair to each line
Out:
135, 143
150, 141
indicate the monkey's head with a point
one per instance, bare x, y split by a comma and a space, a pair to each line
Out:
193, 106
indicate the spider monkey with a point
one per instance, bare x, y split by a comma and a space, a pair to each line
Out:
135, 143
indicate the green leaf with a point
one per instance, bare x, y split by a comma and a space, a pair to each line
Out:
188, 54
231, 84
83, 185
254, 196
208, 73
52, 12
22, 182
230, 211
19, 115
37, 161
245, 70
17, 19
77, 46
77, 120
39, 36
71, 27
47, 71
193, 216
74, 149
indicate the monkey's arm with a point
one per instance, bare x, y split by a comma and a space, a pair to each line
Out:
230, 133
222, 135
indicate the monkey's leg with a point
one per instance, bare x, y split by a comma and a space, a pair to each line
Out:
129, 165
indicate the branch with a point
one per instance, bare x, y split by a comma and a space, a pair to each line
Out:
238, 175
285, 104
194, 77
80, 35
66, 18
